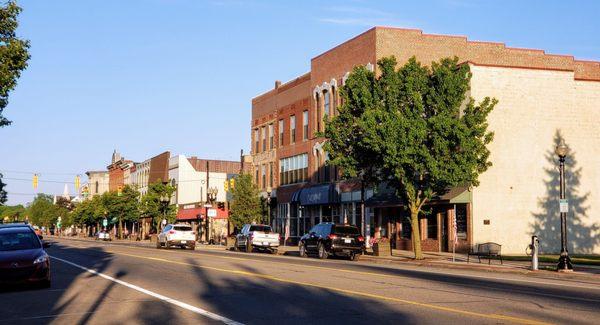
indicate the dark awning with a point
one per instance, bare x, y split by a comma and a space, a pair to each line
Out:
459, 194
317, 195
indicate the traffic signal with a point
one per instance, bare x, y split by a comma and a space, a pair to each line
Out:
232, 183
77, 182
226, 186
120, 190
35, 181
222, 205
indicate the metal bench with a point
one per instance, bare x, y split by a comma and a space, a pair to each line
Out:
486, 250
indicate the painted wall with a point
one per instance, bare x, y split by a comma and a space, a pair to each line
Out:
519, 193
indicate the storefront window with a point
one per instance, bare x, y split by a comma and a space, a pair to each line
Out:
432, 226
461, 221
406, 228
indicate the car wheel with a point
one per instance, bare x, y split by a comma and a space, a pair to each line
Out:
302, 250
274, 251
158, 243
323, 254
192, 247
355, 257
248, 247
167, 246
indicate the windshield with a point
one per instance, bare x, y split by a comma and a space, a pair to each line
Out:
18, 240
346, 230
260, 228
183, 228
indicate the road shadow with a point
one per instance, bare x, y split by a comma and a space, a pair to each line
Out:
31, 305
256, 299
581, 233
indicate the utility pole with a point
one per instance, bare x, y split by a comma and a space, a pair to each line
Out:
206, 225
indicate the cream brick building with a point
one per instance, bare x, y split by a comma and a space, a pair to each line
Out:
542, 97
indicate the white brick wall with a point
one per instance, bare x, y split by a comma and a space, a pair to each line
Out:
533, 106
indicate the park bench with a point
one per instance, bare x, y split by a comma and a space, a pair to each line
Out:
486, 250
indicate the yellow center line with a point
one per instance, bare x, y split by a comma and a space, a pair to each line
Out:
348, 292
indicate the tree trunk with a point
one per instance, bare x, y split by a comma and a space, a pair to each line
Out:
416, 234
120, 228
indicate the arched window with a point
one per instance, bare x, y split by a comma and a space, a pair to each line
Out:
96, 192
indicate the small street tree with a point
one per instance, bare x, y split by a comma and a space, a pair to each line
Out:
245, 205
424, 134
123, 207
43, 212
151, 205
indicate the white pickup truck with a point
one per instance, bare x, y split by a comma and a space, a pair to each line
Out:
257, 236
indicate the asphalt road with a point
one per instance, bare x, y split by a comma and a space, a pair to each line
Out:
115, 284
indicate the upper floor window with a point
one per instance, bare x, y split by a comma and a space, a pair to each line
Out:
264, 138
256, 140
319, 118
326, 103
305, 125
264, 176
293, 128
271, 135
271, 174
281, 125
293, 169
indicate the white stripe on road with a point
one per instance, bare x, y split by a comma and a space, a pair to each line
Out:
178, 303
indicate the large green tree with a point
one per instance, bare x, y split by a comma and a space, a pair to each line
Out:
43, 212
245, 202
122, 207
13, 60
152, 206
89, 212
16, 212
425, 134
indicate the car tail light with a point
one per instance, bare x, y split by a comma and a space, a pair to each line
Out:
332, 236
361, 238
171, 232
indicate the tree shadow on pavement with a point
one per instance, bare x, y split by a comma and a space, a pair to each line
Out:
255, 299
28, 305
581, 233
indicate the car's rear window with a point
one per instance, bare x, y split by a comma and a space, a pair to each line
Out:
260, 228
13, 240
182, 228
346, 230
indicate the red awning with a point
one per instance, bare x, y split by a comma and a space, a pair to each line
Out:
222, 214
190, 214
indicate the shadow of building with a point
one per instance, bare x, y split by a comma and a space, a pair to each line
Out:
546, 225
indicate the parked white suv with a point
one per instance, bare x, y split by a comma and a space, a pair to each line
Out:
257, 236
180, 235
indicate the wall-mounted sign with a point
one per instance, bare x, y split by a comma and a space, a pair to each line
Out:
564, 205
212, 213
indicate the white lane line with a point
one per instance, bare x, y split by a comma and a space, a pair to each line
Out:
178, 303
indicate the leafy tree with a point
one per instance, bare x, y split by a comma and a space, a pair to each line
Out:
151, 205
346, 145
426, 136
2, 191
16, 212
42, 211
124, 207
13, 60
89, 212
245, 205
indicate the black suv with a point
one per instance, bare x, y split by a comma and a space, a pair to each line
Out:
333, 239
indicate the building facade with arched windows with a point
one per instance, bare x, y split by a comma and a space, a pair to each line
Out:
543, 99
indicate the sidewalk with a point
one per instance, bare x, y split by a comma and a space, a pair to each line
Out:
431, 259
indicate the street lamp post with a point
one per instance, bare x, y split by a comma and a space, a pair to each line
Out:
212, 197
564, 262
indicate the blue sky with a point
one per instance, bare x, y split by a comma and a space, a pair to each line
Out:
144, 76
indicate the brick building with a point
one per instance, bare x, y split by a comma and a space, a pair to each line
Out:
541, 97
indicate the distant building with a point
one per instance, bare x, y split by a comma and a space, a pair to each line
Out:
119, 172
97, 182
150, 171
